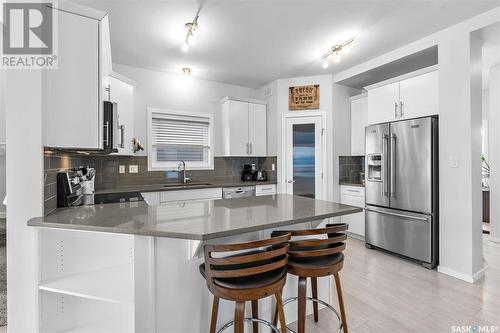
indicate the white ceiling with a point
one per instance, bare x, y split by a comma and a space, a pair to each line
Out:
252, 42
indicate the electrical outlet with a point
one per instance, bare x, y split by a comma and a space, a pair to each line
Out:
453, 162
121, 169
133, 168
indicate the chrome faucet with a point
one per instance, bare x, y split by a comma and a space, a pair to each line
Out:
185, 179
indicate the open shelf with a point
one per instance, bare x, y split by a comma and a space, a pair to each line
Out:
108, 325
112, 284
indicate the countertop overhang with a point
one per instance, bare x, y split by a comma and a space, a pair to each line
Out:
195, 220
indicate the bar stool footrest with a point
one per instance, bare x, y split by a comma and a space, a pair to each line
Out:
315, 300
254, 320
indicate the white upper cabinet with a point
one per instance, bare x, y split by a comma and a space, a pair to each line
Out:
359, 120
419, 96
383, 103
244, 129
411, 96
121, 92
257, 129
74, 91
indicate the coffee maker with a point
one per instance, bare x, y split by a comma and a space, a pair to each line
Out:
248, 173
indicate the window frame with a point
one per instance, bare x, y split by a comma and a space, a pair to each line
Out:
153, 164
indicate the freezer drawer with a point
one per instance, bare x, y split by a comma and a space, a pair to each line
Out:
408, 234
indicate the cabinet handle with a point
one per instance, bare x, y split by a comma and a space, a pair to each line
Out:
106, 138
395, 109
122, 136
401, 109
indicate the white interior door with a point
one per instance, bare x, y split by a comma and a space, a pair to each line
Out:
304, 160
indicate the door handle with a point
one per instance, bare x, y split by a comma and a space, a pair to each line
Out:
396, 110
393, 165
398, 215
385, 169
401, 109
291, 181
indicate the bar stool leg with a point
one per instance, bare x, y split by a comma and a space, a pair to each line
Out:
239, 313
215, 312
341, 302
275, 317
302, 304
255, 314
280, 311
314, 287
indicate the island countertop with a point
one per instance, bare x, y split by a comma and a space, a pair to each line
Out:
196, 220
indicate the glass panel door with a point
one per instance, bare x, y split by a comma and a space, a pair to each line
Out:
304, 160
304, 166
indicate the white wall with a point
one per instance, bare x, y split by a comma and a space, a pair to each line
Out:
25, 188
171, 91
494, 139
486, 121
2, 143
278, 108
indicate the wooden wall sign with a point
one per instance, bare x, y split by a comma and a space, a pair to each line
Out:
303, 97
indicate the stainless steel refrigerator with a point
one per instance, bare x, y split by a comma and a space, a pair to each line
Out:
401, 188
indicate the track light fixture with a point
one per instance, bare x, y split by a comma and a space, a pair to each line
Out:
190, 30
336, 51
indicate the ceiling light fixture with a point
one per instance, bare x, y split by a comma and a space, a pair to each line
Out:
186, 71
336, 51
190, 30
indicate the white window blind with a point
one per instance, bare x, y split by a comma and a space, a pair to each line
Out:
180, 137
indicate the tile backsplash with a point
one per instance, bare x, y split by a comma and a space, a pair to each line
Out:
226, 169
351, 169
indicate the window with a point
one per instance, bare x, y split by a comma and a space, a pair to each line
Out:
179, 136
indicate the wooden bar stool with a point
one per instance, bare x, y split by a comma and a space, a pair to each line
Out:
313, 258
258, 272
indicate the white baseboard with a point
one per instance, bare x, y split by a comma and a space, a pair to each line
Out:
459, 275
494, 239
356, 236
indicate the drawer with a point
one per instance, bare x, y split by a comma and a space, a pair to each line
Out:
352, 200
352, 190
194, 194
265, 189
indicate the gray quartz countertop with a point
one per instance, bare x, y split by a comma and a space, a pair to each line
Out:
197, 220
169, 187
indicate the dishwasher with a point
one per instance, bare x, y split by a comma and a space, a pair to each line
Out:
238, 192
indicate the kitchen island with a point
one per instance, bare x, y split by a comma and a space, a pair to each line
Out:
133, 267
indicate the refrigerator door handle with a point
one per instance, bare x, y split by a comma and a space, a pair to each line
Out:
393, 165
398, 215
385, 167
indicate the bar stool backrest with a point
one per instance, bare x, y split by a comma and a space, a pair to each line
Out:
259, 257
316, 247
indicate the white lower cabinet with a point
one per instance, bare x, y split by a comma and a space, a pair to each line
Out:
268, 189
354, 196
155, 198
